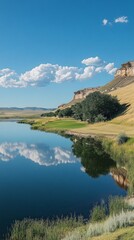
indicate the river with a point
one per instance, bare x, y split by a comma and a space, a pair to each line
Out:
45, 175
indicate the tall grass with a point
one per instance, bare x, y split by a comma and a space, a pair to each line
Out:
29, 229
112, 223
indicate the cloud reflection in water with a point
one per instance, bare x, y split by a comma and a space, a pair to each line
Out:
38, 153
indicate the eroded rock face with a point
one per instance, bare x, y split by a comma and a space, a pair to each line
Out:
81, 94
127, 70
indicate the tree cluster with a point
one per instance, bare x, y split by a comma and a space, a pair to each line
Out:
95, 108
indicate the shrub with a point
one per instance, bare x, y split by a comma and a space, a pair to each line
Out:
98, 213
122, 138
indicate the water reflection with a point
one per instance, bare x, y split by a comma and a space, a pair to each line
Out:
38, 153
95, 161
93, 157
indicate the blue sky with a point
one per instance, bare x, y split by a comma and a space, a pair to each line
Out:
51, 48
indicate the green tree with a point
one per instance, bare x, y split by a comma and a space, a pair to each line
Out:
99, 104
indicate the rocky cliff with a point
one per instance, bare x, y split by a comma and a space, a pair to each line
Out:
81, 94
127, 70
123, 77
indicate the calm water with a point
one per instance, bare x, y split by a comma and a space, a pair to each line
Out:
46, 175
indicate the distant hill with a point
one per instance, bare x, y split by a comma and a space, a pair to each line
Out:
26, 112
26, 108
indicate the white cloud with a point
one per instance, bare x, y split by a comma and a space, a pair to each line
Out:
104, 21
92, 61
112, 71
65, 74
44, 74
123, 19
87, 73
110, 68
99, 69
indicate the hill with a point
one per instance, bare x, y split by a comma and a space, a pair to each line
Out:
122, 123
123, 77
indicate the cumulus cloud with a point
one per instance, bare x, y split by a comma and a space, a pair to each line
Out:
87, 73
48, 73
123, 19
110, 68
92, 61
104, 21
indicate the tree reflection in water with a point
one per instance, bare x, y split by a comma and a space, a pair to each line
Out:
93, 157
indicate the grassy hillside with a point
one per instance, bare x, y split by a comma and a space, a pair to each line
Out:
117, 83
122, 123
125, 96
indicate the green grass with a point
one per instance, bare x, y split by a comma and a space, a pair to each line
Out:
53, 124
65, 124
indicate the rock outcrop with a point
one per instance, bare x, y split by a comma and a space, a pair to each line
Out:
127, 70
123, 77
81, 94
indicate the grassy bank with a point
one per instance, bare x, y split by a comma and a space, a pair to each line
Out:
117, 226
76, 127
53, 124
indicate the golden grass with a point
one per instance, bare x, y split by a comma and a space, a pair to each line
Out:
125, 96
123, 123
105, 129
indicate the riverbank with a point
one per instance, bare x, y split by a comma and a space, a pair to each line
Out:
30, 227
116, 224
78, 128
